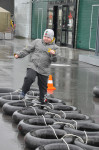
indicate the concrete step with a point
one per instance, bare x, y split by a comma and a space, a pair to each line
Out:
89, 59
6, 35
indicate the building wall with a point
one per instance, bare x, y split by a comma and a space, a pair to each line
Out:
40, 14
39, 19
22, 17
87, 24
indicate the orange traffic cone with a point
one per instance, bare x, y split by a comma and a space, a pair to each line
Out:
50, 87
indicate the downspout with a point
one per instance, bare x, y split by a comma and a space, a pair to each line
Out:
76, 21
31, 17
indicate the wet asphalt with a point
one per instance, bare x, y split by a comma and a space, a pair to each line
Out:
74, 82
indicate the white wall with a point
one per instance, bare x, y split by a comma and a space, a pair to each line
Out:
22, 17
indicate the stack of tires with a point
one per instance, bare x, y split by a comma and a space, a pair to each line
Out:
59, 135
54, 126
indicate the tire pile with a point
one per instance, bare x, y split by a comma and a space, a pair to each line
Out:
54, 126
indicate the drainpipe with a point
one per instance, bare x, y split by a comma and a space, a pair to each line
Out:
76, 21
31, 15
97, 37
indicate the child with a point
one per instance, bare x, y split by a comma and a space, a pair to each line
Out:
43, 52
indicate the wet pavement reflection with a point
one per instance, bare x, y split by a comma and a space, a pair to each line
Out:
74, 82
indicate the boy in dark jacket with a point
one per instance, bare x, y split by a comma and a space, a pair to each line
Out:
43, 52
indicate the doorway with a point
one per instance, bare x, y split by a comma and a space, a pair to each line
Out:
61, 18
67, 29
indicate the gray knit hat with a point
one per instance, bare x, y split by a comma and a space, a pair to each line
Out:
49, 33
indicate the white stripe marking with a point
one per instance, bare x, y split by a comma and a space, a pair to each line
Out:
50, 81
62, 65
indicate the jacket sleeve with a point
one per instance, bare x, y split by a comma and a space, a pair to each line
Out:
54, 57
27, 50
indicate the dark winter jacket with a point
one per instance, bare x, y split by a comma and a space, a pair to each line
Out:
40, 58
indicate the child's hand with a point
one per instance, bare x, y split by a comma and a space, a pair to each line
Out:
52, 51
16, 56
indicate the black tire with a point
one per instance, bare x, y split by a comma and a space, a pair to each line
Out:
85, 126
59, 108
64, 108
76, 116
47, 105
5, 91
27, 113
9, 98
59, 146
96, 91
55, 112
52, 101
33, 94
71, 115
73, 121
91, 129
10, 107
35, 123
55, 100
34, 89
92, 144
44, 137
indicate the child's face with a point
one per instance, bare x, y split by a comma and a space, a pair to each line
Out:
47, 39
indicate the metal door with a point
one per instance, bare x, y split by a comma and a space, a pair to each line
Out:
62, 19
67, 29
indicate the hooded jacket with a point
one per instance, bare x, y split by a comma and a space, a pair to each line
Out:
40, 58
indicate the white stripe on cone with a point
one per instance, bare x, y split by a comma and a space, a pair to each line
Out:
50, 81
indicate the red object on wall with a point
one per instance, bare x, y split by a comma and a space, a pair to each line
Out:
50, 16
70, 16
